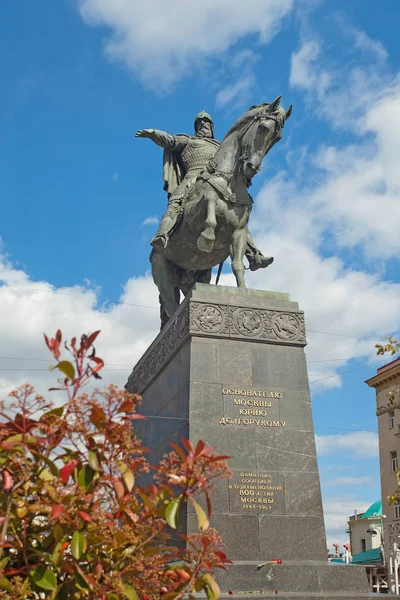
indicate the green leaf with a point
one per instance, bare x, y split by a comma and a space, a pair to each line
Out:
85, 477
65, 367
56, 555
5, 584
58, 533
210, 587
129, 591
78, 544
127, 476
202, 518
171, 513
45, 475
57, 412
94, 461
52, 467
44, 578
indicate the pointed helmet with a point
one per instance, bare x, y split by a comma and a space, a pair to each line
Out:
204, 115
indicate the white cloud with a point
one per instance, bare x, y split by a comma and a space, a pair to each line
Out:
364, 480
237, 92
305, 71
34, 307
115, 176
161, 42
341, 92
364, 42
337, 511
150, 221
360, 444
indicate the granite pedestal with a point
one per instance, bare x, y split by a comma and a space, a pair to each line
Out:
230, 368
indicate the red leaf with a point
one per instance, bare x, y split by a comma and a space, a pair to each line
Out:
67, 470
7, 480
202, 449
119, 488
97, 415
178, 450
208, 502
188, 445
127, 406
99, 364
56, 511
199, 447
85, 516
91, 338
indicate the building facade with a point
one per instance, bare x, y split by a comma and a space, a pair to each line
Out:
365, 530
387, 386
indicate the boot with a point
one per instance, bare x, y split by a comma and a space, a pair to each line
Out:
160, 241
258, 261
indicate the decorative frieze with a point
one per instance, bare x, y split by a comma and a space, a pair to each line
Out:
247, 323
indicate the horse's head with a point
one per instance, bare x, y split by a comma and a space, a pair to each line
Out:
260, 133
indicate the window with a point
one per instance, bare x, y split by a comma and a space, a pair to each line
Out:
397, 511
393, 458
363, 545
391, 419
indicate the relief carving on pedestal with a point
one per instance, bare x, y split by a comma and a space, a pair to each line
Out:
255, 323
220, 321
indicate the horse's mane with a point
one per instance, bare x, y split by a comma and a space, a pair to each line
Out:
245, 118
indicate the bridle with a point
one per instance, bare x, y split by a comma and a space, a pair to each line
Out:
211, 166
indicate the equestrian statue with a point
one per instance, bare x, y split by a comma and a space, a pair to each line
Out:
208, 200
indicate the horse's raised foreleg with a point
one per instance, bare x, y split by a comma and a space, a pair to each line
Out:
166, 278
239, 243
206, 240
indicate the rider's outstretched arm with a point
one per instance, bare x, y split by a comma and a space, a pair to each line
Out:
163, 139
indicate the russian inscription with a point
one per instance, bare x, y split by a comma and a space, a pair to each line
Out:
242, 405
256, 492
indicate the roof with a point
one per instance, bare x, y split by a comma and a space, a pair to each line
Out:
385, 373
390, 365
374, 510
338, 559
370, 556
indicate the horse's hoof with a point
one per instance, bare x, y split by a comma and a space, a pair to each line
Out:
204, 244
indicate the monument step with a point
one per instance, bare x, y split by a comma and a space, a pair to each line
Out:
299, 577
308, 596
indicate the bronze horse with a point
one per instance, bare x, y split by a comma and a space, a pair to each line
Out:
217, 209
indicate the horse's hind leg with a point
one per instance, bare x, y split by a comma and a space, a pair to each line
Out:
166, 278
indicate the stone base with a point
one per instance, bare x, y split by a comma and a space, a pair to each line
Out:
295, 579
229, 368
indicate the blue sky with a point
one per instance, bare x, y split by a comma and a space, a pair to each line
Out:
81, 196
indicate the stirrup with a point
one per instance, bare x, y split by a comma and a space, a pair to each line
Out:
160, 241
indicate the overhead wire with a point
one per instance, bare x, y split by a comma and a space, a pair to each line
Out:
120, 302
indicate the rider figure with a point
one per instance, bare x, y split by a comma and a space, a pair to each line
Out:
185, 158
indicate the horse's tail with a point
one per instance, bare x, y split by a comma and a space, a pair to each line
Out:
219, 272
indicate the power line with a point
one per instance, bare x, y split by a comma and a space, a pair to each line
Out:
47, 360
340, 374
49, 371
335, 359
129, 365
119, 302
344, 429
345, 335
